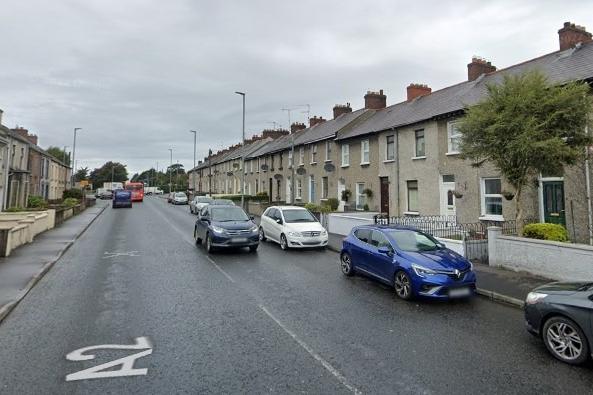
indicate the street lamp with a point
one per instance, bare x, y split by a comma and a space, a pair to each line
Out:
243, 154
292, 175
193, 173
64, 155
170, 170
73, 157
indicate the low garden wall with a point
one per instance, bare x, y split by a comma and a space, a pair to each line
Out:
20, 228
550, 259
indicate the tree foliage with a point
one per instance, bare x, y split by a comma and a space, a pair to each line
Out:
81, 174
104, 174
526, 126
59, 154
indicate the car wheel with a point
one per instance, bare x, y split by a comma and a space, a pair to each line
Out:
262, 235
565, 340
209, 247
403, 285
283, 242
198, 240
346, 264
253, 248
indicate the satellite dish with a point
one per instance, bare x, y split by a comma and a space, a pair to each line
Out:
278, 176
301, 171
329, 167
264, 167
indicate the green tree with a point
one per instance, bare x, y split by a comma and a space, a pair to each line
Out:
526, 126
81, 174
59, 154
110, 171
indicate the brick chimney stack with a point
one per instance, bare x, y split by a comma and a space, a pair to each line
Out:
274, 134
417, 90
340, 109
296, 126
477, 67
315, 120
570, 35
374, 100
32, 138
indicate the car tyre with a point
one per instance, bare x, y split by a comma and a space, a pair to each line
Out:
346, 264
262, 235
208, 246
253, 248
403, 285
198, 240
283, 243
565, 340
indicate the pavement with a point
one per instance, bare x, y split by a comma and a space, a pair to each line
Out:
240, 322
20, 271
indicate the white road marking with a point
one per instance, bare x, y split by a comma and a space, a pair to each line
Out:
312, 352
108, 255
220, 269
99, 371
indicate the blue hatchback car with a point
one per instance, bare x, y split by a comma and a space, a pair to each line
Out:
225, 227
122, 198
413, 262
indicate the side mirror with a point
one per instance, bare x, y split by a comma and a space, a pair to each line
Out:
279, 221
385, 250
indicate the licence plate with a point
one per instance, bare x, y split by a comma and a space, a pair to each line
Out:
239, 240
459, 292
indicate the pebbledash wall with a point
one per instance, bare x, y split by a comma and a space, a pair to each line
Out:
550, 259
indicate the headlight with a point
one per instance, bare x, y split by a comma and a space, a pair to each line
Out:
217, 229
534, 297
422, 271
324, 232
293, 234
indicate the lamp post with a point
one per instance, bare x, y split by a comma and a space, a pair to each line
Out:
292, 175
73, 157
64, 156
170, 170
243, 154
193, 172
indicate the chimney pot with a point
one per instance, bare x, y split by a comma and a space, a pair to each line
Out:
570, 35
340, 109
315, 120
375, 100
479, 66
417, 90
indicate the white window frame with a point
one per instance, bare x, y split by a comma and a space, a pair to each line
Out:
360, 197
313, 153
451, 129
365, 149
299, 189
417, 209
328, 150
484, 195
258, 165
312, 188
416, 156
345, 155
301, 156
387, 158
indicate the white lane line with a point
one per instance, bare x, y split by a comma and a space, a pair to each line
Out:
220, 269
312, 352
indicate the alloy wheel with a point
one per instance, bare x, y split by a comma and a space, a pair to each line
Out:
564, 341
346, 264
262, 235
208, 244
403, 287
283, 242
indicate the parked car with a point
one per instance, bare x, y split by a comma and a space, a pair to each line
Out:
292, 227
179, 198
411, 261
198, 203
222, 202
106, 194
561, 314
225, 227
122, 198
170, 197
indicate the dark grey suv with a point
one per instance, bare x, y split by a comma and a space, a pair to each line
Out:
562, 315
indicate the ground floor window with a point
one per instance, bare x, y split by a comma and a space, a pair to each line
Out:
491, 196
413, 205
299, 188
311, 188
324, 187
360, 196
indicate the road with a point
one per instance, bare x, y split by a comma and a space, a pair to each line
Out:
268, 322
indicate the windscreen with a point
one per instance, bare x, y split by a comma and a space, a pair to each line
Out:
298, 216
204, 200
180, 194
226, 214
412, 241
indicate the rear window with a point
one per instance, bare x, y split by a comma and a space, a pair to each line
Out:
204, 200
180, 194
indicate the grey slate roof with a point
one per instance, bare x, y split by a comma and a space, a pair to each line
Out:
235, 154
560, 67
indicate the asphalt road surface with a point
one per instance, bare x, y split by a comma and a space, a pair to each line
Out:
173, 320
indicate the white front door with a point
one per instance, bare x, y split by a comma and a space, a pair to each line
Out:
447, 196
288, 191
341, 188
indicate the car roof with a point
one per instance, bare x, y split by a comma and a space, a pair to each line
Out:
288, 207
385, 227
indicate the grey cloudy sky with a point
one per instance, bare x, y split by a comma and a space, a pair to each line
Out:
137, 75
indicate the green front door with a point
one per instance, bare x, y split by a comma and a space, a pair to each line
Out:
554, 202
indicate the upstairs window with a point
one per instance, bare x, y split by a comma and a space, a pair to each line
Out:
364, 152
328, 150
390, 147
345, 155
314, 153
301, 155
454, 137
420, 144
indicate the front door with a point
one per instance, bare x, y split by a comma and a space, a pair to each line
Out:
384, 195
553, 192
447, 196
271, 183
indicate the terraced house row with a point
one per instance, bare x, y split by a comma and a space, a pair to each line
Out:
403, 159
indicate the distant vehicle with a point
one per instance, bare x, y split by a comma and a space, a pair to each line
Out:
179, 198
222, 202
198, 203
122, 198
150, 190
292, 227
113, 185
137, 189
561, 314
103, 193
158, 191
225, 227
413, 262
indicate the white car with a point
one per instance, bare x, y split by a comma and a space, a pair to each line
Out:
198, 203
179, 198
292, 227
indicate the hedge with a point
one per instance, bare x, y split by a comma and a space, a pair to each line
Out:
553, 232
73, 193
253, 198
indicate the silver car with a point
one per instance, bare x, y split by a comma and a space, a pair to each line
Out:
198, 203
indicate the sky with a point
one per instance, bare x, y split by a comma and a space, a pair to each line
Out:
138, 75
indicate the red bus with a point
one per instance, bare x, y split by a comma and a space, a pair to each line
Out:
137, 189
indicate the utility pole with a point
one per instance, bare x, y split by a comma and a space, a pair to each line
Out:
193, 172
210, 172
171, 171
243, 155
292, 195
64, 156
73, 157
112, 172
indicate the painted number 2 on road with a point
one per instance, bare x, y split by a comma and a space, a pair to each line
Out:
99, 371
